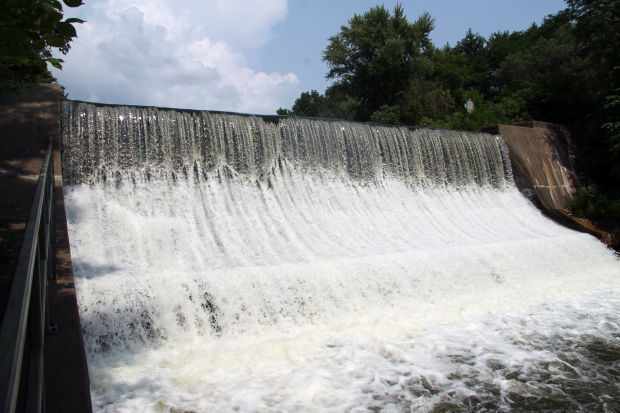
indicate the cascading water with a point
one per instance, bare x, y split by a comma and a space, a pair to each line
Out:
228, 262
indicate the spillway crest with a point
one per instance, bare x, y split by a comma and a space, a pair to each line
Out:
254, 250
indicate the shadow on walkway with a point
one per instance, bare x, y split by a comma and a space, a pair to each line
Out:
28, 121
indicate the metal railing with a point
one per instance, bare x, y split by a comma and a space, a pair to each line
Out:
25, 320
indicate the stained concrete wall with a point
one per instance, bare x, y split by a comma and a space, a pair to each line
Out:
28, 122
541, 161
544, 172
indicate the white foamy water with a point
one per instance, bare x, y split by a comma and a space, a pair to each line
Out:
224, 263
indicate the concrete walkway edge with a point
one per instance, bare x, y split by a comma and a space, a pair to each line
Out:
28, 121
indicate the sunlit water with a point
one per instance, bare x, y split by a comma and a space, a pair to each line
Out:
263, 274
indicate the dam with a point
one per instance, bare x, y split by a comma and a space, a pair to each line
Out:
230, 262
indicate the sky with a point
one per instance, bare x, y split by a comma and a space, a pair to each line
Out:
249, 56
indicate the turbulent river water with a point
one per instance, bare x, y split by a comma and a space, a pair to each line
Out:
238, 263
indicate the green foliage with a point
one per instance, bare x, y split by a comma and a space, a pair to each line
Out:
552, 76
311, 104
339, 104
424, 101
334, 104
386, 115
612, 127
29, 30
375, 55
484, 113
591, 202
596, 26
472, 46
595, 30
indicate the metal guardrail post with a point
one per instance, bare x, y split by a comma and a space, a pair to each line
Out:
25, 320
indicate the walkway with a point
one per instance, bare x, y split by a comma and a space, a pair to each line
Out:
27, 122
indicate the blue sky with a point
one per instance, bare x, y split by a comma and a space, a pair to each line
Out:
249, 56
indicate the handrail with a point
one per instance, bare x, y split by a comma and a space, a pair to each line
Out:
24, 323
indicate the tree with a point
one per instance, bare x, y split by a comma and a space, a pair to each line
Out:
335, 103
375, 56
425, 102
310, 104
472, 45
596, 26
596, 31
555, 79
29, 31
339, 104
386, 115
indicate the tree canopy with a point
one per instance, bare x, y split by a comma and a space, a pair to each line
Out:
375, 55
29, 31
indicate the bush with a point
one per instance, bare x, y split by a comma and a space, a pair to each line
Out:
591, 202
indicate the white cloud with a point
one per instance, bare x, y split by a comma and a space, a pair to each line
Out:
186, 53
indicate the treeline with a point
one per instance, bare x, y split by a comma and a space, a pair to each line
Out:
385, 69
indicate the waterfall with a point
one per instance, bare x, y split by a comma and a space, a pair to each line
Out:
260, 263
102, 142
